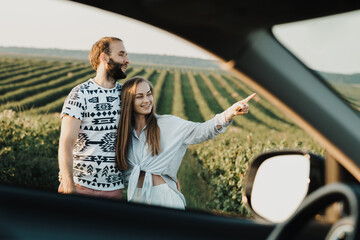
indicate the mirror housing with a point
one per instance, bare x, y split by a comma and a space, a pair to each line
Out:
278, 181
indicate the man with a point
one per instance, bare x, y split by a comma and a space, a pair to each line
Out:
89, 122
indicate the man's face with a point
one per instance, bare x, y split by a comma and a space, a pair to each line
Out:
118, 61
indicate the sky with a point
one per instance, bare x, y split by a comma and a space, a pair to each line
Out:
68, 25
329, 44
326, 44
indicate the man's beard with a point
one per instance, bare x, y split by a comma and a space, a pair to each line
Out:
114, 70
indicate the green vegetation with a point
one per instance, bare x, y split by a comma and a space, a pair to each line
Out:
212, 173
205, 111
196, 190
209, 97
347, 86
191, 108
178, 101
28, 150
165, 104
158, 86
154, 77
42, 77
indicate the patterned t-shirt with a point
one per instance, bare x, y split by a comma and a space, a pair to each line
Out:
98, 109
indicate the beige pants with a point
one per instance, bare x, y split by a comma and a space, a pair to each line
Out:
161, 195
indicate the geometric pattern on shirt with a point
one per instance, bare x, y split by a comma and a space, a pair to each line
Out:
112, 181
78, 173
74, 96
103, 107
94, 100
99, 159
97, 91
75, 103
104, 113
114, 169
110, 99
82, 168
92, 128
81, 87
80, 143
112, 178
107, 143
107, 120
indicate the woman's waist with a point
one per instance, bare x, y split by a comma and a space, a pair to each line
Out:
156, 179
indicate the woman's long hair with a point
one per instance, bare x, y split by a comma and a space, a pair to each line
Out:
127, 121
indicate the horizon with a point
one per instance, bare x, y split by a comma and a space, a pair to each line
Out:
83, 50
155, 54
148, 59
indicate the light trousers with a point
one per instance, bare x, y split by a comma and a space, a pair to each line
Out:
161, 195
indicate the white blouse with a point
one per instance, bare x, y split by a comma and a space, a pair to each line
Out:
175, 136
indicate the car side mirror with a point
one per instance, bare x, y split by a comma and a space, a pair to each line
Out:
278, 182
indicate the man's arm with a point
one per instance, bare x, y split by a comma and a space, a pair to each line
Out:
69, 132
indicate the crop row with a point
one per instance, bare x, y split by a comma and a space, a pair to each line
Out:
13, 62
164, 102
29, 91
6, 68
196, 96
178, 107
191, 107
39, 78
7, 77
44, 97
209, 93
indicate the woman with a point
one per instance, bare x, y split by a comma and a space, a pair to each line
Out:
150, 147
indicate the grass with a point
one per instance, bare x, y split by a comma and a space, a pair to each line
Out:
196, 191
165, 100
190, 106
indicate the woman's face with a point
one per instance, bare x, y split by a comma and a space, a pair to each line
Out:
143, 99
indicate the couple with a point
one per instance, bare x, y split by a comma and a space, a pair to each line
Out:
101, 151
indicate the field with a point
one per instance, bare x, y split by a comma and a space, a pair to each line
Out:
346, 85
32, 92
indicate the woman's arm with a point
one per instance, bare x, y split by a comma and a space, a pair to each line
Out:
199, 132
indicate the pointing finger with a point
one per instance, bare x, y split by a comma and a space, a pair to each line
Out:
249, 97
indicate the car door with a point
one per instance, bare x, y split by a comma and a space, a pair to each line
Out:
253, 55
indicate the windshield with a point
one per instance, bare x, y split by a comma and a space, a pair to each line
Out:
39, 71
330, 46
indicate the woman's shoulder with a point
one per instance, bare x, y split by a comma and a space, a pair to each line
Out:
170, 125
169, 119
166, 117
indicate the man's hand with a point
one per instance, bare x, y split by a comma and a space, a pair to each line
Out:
66, 188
